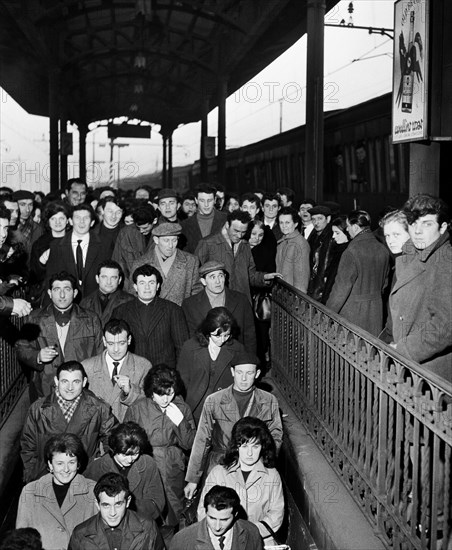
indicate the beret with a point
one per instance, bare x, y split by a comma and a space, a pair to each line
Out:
245, 358
211, 265
324, 210
166, 194
22, 194
167, 229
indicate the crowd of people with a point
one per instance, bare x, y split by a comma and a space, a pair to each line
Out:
146, 329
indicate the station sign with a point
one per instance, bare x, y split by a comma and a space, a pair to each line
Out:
128, 131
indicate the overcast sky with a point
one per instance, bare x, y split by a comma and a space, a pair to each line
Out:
358, 66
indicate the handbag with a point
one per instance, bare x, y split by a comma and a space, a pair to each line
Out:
279, 545
262, 306
189, 514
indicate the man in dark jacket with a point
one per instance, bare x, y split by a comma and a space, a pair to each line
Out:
158, 326
68, 408
115, 526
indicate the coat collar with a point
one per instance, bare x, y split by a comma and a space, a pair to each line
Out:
423, 255
203, 542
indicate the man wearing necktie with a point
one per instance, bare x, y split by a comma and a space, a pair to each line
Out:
220, 529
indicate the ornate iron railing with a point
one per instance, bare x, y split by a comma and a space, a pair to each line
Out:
383, 422
12, 379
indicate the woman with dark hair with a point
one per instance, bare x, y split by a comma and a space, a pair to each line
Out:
341, 238
55, 220
128, 444
248, 466
205, 359
232, 203
61, 499
171, 431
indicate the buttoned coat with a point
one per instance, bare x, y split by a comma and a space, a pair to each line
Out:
192, 231
130, 245
241, 267
61, 258
194, 366
183, 276
245, 536
198, 306
92, 422
292, 260
92, 303
219, 414
261, 496
421, 306
137, 534
161, 340
360, 281
99, 380
84, 339
38, 508
144, 480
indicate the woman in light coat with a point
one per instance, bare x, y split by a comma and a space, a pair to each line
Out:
248, 468
58, 501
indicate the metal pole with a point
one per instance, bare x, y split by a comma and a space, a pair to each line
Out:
164, 170
170, 160
63, 156
53, 128
221, 163
204, 133
314, 100
82, 131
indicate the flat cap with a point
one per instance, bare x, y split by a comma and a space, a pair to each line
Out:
324, 210
166, 194
211, 265
167, 229
245, 358
23, 194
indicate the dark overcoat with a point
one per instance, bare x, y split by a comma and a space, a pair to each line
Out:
92, 303
192, 232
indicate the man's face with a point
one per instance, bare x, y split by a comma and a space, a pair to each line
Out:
81, 222
426, 230
214, 281
352, 229
206, 203
4, 224
236, 230
145, 228
13, 207
113, 509
168, 208
112, 215
142, 194
62, 294
117, 344
251, 208
320, 222
304, 212
244, 376
108, 280
25, 208
219, 521
70, 384
189, 207
146, 287
271, 209
77, 194
167, 245
219, 197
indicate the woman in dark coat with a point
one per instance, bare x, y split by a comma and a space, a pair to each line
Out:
340, 237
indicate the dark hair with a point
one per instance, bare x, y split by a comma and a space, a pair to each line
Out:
250, 197
424, 204
161, 379
75, 180
216, 318
145, 188
63, 276
271, 197
247, 429
257, 222
190, 196
288, 192
52, 208
227, 200
289, 211
100, 190
341, 223
222, 498
65, 443
25, 538
144, 213
86, 207
307, 200
111, 484
110, 264
205, 188
116, 326
239, 215
71, 366
127, 437
110, 198
359, 217
5, 214
147, 270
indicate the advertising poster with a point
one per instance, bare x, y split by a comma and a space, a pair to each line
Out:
410, 72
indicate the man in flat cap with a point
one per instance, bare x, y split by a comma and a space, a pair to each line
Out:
29, 230
215, 294
168, 205
179, 269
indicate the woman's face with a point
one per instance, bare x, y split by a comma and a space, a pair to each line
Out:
37, 215
286, 224
127, 459
249, 454
339, 236
396, 236
219, 337
63, 467
257, 234
163, 400
233, 205
58, 222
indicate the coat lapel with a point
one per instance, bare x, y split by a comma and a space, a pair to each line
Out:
159, 309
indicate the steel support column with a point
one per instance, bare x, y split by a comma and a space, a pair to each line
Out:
53, 130
63, 156
82, 132
170, 160
164, 168
314, 101
221, 159
204, 132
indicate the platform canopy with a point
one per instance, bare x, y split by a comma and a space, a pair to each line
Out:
153, 60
